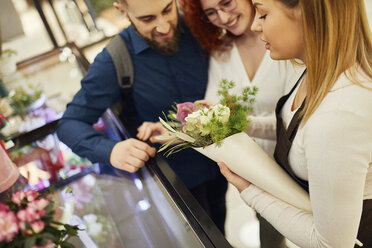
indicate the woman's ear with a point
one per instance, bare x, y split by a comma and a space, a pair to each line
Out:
297, 11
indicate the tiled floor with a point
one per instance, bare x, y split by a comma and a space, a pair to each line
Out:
241, 226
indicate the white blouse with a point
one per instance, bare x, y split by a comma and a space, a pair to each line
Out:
273, 80
333, 152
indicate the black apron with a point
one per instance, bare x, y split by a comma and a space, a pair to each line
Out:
284, 142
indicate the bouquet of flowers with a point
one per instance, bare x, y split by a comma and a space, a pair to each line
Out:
197, 125
27, 220
218, 132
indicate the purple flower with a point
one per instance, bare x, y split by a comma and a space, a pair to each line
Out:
183, 110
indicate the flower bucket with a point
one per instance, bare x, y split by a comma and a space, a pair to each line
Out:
247, 159
9, 171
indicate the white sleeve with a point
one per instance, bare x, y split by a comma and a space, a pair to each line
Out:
263, 127
338, 149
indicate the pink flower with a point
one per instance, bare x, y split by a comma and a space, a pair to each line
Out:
22, 226
8, 226
29, 214
183, 110
37, 226
39, 204
41, 213
3, 207
18, 197
31, 195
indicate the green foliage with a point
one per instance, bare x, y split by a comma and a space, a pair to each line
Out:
9, 52
240, 106
99, 5
23, 97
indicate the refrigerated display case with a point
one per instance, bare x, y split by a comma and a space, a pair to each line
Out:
114, 208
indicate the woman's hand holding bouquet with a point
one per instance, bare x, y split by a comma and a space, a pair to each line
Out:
236, 180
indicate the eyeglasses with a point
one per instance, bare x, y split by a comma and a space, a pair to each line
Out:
211, 15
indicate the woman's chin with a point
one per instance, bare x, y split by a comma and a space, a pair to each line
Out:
237, 31
276, 56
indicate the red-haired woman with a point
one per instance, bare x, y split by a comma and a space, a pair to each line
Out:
223, 29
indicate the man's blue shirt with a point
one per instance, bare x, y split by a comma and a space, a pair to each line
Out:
159, 82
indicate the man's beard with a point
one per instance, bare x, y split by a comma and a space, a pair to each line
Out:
168, 45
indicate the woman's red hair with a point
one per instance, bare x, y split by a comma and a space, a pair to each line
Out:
210, 37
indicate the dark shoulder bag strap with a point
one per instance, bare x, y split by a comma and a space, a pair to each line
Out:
125, 75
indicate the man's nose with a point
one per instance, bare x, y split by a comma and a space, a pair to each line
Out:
162, 26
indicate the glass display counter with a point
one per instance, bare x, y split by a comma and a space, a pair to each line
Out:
150, 208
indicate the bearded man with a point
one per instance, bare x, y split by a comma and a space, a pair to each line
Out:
169, 67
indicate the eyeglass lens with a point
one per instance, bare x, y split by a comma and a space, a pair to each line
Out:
225, 5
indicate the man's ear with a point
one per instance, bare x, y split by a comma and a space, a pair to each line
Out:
119, 7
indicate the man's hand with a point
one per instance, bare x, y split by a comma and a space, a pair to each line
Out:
149, 131
131, 154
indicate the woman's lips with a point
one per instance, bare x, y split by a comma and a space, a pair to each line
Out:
233, 23
267, 44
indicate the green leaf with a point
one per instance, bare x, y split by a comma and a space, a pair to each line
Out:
185, 137
66, 245
166, 145
30, 242
48, 236
165, 124
68, 190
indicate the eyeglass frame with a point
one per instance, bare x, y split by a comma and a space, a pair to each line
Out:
206, 19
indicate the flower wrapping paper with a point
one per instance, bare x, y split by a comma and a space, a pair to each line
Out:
247, 159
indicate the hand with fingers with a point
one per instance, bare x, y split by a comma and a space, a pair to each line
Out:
236, 180
205, 103
149, 131
131, 154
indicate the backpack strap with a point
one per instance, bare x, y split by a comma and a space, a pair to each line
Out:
119, 53
122, 61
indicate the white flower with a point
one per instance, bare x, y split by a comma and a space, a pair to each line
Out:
197, 121
221, 112
94, 229
193, 122
204, 119
90, 218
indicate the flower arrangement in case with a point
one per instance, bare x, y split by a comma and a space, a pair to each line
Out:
28, 220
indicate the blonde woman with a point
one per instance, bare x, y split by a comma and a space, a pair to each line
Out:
324, 125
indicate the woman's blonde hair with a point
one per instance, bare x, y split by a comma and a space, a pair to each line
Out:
337, 37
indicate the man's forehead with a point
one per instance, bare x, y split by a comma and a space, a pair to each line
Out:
147, 7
